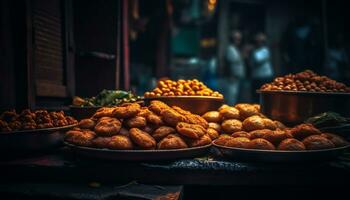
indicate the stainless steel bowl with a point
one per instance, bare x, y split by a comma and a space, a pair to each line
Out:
195, 104
294, 107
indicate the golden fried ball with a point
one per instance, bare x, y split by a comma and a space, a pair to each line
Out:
260, 133
315, 142
162, 132
172, 142
260, 143
154, 119
269, 124
81, 138
215, 126
212, 133
157, 107
231, 126
230, 113
247, 110
171, 117
212, 116
275, 137
120, 142
190, 130
304, 130
126, 110
253, 123
108, 128
196, 119
203, 140
238, 142
136, 122
222, 139
87, 124
291, 144
335, 139
241, 134
279, 125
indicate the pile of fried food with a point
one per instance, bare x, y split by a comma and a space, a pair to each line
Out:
131, 126
29, 120
182, 88
243, 126
306, 81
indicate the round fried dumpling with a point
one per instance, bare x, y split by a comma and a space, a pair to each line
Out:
107, 128
196, 119
154, 119
260, 133
253, 123
202, 141
172, 141
213, 134
304, 130
136, 122
81, 137
142, 139
162, 132
275, 137
231, 126
171, 117
291, 144
87, 124
101, 142
247, 110
215, 126
229, 113
158, 106
126, 110
103, 112
269, 124
212, 116
222, 139
279, 125
241, 134
260, 143
120, 142
190, 130
335, 139
315, 142
238, 142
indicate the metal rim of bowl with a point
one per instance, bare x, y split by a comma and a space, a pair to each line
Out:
38, 131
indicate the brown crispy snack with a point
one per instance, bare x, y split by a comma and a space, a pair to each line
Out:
260, 133
212, 116
336, 139
203, 140
315, 142
212, 133
190, 130
136, 122
142, 139
241, 134
124, 131
215, 126
231, 125
253, 123
260, 143
191, 118
291, 144
171, 117
304, 130
246, 110
87, 124
162, 132
103, 112
81, 138
275, 137
107, 128
120, 142
230, 113
157, 107
154, 119
222, 139
101, 142
172, 141
238, 142
126, 110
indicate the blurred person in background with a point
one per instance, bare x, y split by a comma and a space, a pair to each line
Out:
262, 71
236, 66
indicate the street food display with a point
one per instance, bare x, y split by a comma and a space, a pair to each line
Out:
25, 120
306, 81
106, 98
182, 88
132, 127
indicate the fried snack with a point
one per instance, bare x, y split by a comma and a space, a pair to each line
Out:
162, 132
223, 107
212, 116
126, 110
107, 128
275, 137
81, 138
335, 139
101, 142
87, 124
157, 107
203, 140
191, 118
213, 134
260, 143
181, 111
241, 134
246, 110
124, 131
136, 122
148, 129
260, 133
171, 117
142, 139
172, 141
253, 123
291, 144
279, 125
229, 113
304, 130
238, 142
154, 119
231, 126
103, 112
269, 124
222, 139
315, 142
215, 126
120, 142
190, 130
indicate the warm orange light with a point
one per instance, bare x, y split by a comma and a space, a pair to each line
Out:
212, 1
211, 7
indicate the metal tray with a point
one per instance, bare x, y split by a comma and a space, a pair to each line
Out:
257, 155
139, 155
32, 140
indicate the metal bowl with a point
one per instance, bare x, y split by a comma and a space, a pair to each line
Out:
195, 104
295, 107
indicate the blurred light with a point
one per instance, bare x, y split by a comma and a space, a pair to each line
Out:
212, 1
211, 7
